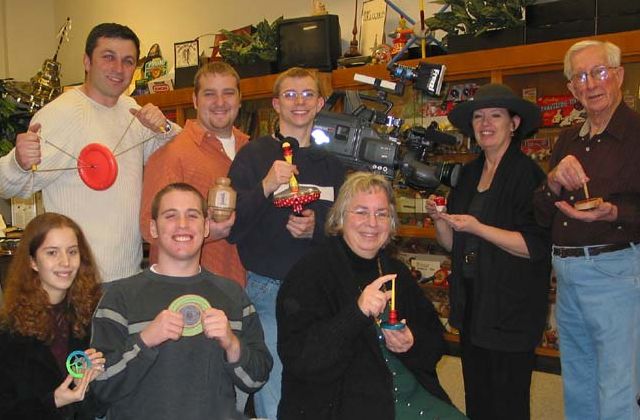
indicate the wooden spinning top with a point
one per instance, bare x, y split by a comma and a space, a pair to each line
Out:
295, 196
588, 203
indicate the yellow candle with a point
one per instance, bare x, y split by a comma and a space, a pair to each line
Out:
393, 293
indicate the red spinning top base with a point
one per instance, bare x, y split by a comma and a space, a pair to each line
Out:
97, 166
392, 323
296, 200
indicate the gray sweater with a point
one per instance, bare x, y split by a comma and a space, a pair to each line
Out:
185, 379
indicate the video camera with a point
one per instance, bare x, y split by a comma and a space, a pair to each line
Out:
368, 139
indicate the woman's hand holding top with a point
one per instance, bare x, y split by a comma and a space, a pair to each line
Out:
462, 222
372, 300
64, 394
444, 233
398, 341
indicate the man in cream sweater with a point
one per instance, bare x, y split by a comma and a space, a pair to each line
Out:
96, 112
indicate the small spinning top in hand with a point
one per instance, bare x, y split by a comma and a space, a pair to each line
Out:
392, 323
588, 203
441, 203
295, 196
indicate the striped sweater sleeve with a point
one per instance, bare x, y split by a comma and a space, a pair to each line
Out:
128, 358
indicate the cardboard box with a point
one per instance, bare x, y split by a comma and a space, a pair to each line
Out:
496, 38
537, 148
610, 24
553, 12
560, 30
161, 84
426, 267
560, 110
23, 210
425, 264
618, 8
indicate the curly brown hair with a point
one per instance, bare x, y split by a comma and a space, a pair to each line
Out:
26, 308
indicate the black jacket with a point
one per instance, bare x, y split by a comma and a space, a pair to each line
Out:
265, 246
511, 294
28, 377
333, 367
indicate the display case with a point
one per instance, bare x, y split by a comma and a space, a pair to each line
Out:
535, 68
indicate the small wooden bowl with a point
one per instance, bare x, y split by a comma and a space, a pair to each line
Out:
589, 204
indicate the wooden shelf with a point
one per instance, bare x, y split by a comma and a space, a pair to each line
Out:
493, 64
499, 62
428, 232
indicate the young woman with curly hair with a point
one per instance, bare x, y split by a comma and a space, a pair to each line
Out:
51, 291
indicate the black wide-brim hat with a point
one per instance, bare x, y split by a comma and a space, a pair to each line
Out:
496, 96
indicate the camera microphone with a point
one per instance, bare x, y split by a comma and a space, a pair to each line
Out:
391, 87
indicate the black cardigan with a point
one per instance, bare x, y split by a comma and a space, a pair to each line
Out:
511, 294
333, 367
28, 377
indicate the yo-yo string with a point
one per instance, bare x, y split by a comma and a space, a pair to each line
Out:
136, 145
34, 168
63, 151
67, 169
125, 133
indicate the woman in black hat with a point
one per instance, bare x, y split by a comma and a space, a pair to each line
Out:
501, 259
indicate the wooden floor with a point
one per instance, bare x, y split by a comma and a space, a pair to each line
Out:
546, 390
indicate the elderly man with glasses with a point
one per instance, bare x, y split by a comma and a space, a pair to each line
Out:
271, 240
596, 252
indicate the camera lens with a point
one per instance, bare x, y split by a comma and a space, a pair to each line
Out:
449, 173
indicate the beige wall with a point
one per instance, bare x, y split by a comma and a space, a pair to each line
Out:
29, 32
3, 42
33, 24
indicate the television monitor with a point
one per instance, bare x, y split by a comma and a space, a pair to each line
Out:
312, 42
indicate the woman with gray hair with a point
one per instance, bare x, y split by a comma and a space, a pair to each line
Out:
338, 363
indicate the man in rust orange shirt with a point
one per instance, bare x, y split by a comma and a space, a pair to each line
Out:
202, 152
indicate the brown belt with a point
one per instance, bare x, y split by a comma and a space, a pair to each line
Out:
564, 252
